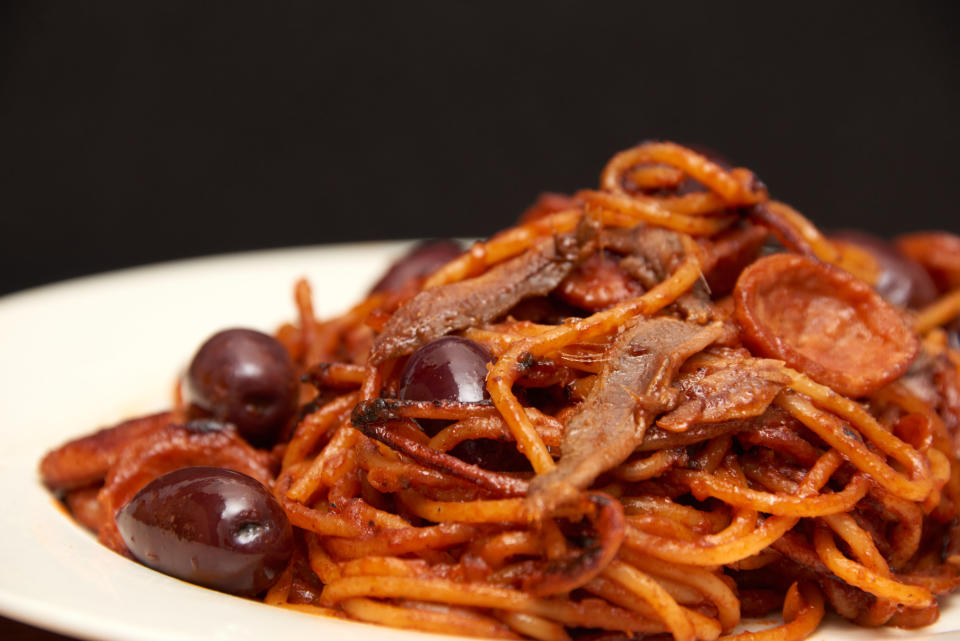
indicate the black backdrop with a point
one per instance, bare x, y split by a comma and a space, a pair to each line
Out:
132, 132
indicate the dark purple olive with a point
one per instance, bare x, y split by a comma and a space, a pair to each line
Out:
455, 369
449, 369
244, 377
421, 261
210, 526
900, 281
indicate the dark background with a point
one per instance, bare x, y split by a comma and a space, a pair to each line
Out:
132, 132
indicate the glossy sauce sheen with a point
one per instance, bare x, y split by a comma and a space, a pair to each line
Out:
210, 526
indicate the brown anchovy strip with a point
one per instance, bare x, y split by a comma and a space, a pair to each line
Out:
736, 387
439, 311
633, 387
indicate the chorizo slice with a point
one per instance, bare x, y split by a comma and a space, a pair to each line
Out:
85, 461
823, 321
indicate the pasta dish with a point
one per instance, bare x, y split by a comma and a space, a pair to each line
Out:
665, 406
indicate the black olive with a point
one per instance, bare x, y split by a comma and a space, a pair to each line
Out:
449, 369
210, 526
244, 377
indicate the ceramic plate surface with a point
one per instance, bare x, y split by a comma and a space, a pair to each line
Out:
92, 351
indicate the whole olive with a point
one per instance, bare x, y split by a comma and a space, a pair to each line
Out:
446, 369
244, 377
210, 526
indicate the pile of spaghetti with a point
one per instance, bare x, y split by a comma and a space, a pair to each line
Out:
693, 408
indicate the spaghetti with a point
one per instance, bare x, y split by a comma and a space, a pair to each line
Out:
692, 407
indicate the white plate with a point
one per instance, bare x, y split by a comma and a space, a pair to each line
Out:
92, 351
